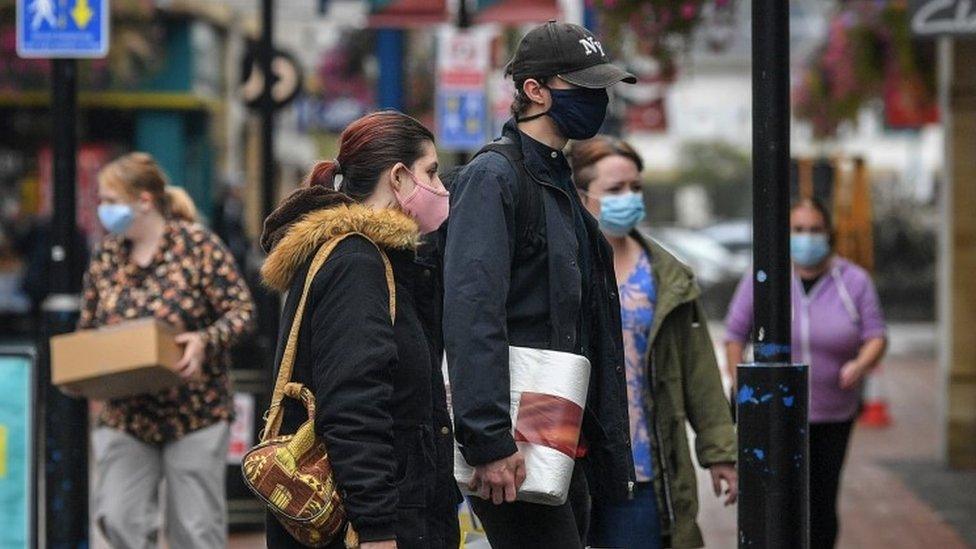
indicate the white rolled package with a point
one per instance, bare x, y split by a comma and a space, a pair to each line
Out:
548, 394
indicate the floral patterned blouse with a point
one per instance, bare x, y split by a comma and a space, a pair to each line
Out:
638, 296
191, 283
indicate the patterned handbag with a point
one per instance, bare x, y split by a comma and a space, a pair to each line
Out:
292, 474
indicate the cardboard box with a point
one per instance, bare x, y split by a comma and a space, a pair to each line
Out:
125, 359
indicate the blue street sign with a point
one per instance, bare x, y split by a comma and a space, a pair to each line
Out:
462, 119
62, 28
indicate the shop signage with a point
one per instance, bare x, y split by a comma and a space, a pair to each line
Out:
18, 434
62, 28
242, 429
943, 17
286, 79
463, 59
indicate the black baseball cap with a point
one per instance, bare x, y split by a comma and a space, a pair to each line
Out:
568, 51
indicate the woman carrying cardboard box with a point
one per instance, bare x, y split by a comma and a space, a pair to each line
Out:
158, 262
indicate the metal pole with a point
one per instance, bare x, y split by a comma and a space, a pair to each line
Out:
772, 396
63, 253
267, 302
65, 419
463, 22
464, 15
771, 176
265, 56
254, 360
389, 54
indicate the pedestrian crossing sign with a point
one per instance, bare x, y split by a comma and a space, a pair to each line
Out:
62, 28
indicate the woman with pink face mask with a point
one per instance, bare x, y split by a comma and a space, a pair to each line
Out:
381, 407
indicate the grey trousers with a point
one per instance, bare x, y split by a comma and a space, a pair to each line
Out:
128, 476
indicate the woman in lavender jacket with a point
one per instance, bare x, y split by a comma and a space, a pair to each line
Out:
839, 331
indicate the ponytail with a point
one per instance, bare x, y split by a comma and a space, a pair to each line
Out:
367, 148
323, 174
179, 205
138, 172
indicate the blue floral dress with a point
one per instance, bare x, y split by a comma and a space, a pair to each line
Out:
634, 523
638, 296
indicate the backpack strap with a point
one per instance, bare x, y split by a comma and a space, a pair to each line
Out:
528, 197
274, 415
505, 146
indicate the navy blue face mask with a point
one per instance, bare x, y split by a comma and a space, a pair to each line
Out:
577, 112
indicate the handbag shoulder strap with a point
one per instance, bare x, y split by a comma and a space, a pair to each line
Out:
274, 415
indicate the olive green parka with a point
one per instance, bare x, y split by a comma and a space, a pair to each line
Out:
685, 386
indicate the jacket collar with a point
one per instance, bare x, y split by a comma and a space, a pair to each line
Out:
539, 159
390, 229
675, 281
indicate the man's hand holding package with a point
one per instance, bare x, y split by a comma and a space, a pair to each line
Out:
500, 480
194, 353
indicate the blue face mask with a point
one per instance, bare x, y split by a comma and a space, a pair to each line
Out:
620, 213
579, 112
116, 218
809, 250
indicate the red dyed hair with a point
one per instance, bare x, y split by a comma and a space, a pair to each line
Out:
368, 147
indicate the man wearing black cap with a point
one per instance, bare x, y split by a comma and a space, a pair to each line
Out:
525, 265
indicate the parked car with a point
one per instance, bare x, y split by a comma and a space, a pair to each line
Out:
735, 235
717, 269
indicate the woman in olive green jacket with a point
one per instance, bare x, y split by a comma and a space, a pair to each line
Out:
672, 375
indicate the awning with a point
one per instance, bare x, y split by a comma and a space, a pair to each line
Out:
116, 100
516, 12
399, 14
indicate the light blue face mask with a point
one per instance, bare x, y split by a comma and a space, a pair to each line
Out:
620, 213
116, 218
809, 249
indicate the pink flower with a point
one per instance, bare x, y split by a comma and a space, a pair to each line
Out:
665, 16
688, 10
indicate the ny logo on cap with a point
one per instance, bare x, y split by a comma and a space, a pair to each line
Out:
592, 46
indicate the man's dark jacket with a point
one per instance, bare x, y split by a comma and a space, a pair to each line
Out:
504, 286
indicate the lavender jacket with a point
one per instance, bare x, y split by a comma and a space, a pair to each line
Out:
830, 324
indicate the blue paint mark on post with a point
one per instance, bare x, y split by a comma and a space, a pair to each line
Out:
759, 453
771, 350
747, 394
761, 276
788, 401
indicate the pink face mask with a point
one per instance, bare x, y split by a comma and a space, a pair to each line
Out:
429, 207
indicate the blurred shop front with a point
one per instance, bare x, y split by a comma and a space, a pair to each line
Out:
159, 91
166, 88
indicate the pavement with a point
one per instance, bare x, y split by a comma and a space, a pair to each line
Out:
895, 491
878, 508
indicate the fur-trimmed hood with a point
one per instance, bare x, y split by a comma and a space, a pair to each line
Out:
389, 229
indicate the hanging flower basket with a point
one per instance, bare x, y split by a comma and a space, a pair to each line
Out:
869, 55
662, 27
